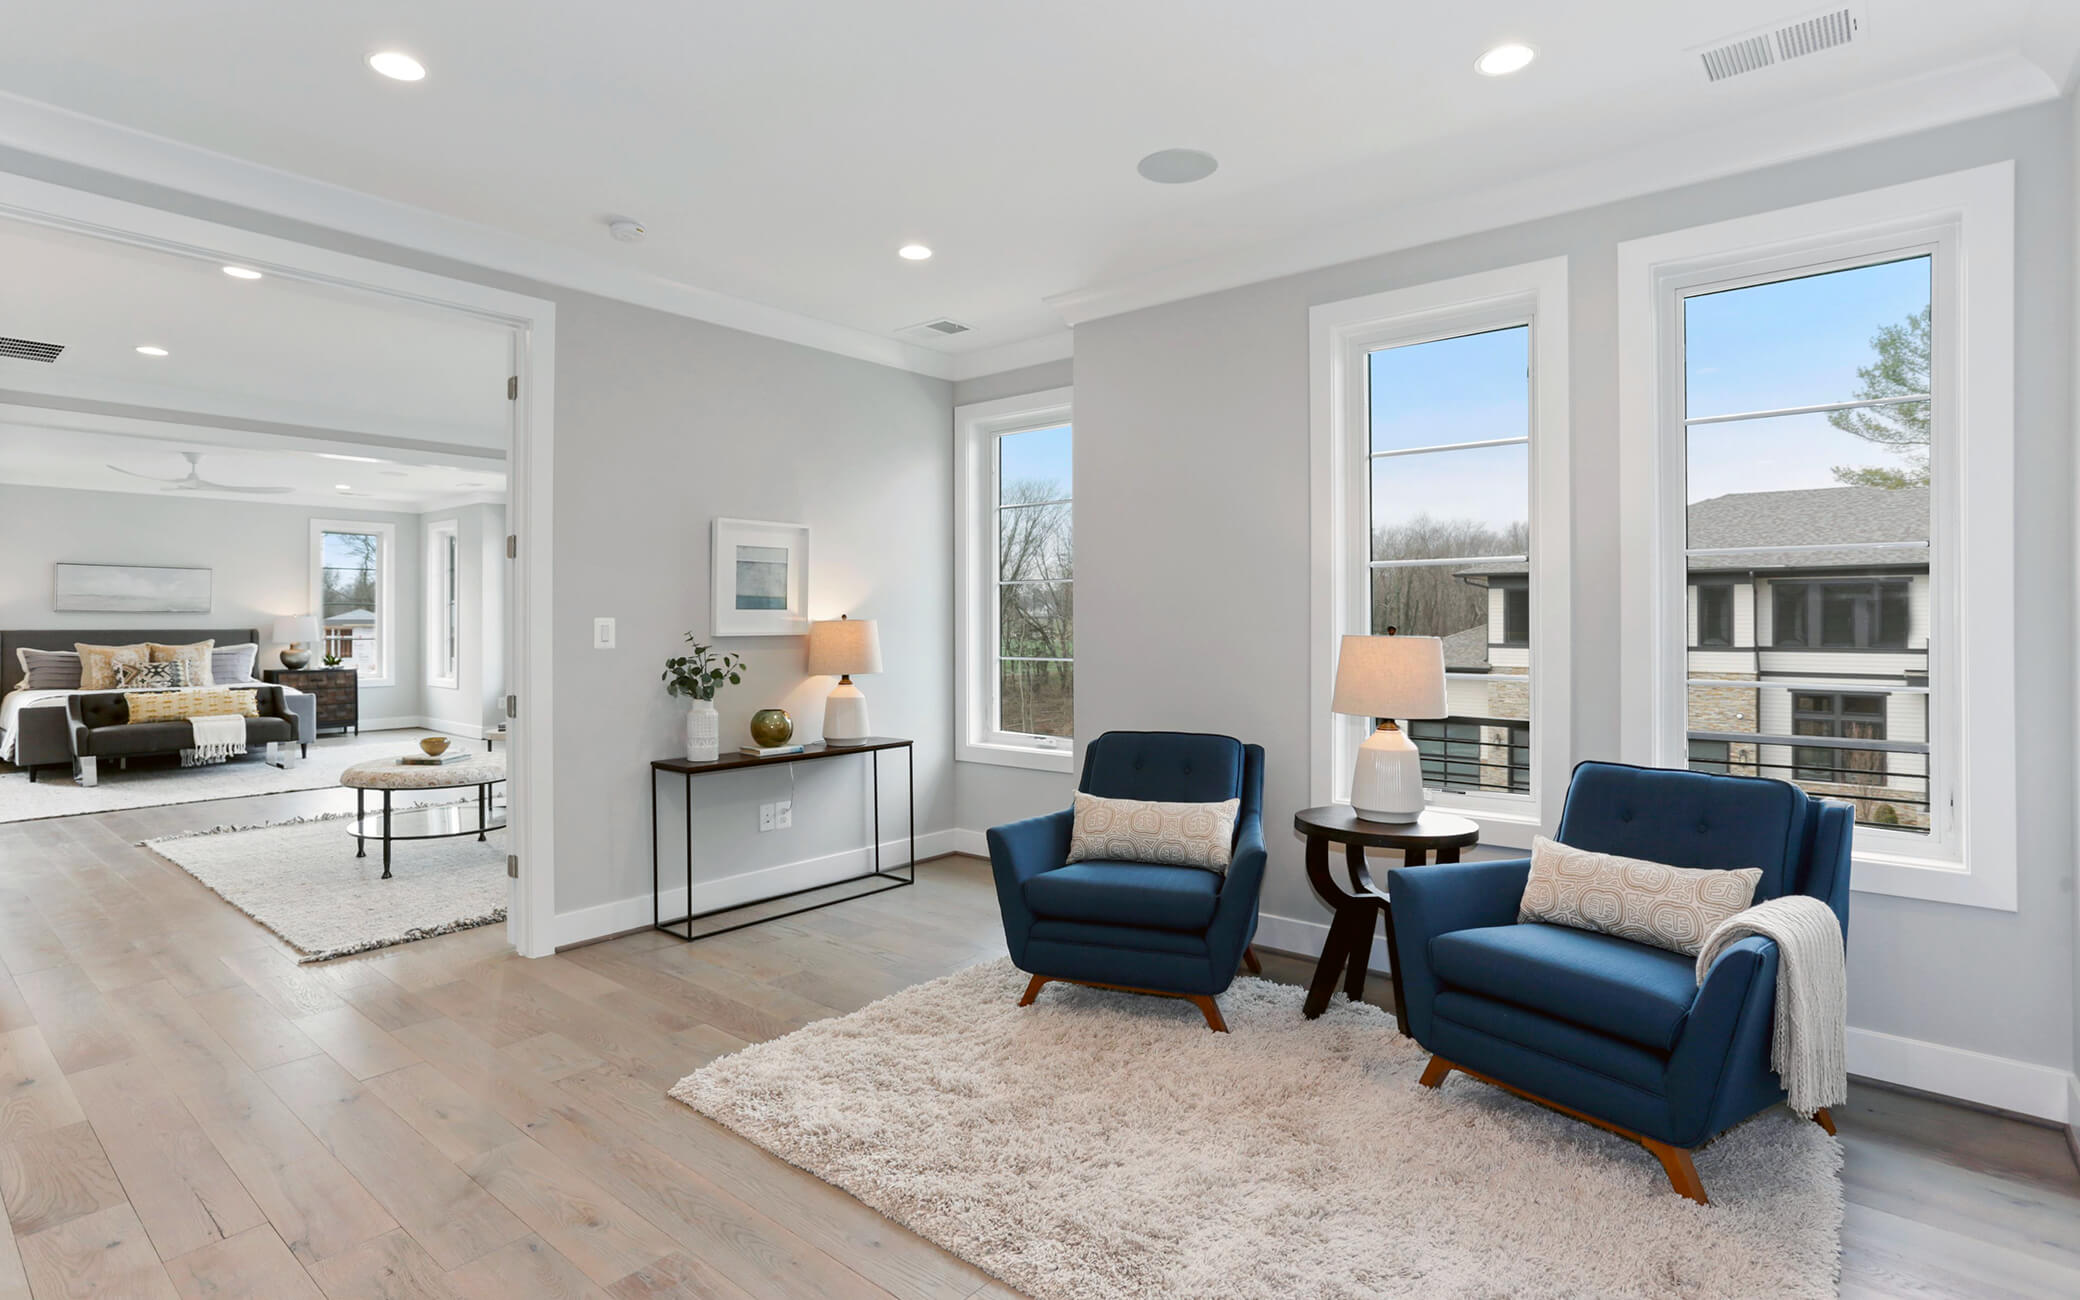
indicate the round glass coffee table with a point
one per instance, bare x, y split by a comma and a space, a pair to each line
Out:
424, 821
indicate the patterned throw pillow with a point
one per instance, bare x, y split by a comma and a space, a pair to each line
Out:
1646, 902
97, 663
167, 676
1138, 830
202, 702
196, 656
231, 664
48, 670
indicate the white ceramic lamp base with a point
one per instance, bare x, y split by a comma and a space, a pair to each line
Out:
1388, 783
845, 715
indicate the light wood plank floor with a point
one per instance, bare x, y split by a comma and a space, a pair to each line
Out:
186, 1111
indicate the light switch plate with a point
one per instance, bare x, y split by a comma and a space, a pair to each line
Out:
603, 634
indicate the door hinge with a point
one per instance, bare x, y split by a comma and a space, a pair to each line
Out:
512, 546
512, 388
512, 706
512, 866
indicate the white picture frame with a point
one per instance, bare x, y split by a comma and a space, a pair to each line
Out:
759, 581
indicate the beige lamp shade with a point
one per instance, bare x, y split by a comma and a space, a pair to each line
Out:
839, 647
1390, 677
296, 629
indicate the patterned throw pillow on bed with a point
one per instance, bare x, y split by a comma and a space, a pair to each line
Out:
171, 675
48, 670
196, 656
97, 670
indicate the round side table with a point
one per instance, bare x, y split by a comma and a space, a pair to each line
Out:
1350, 933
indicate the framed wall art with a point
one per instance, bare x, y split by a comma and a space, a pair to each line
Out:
761, 578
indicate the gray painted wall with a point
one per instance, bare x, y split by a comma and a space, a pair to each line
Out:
1192, 548
260, 552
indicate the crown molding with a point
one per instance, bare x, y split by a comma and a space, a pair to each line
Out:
1058, 346
82, 141
1954, 94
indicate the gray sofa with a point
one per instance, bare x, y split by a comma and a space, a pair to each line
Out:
101, 728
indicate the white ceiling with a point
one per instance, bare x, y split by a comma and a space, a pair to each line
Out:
781, 151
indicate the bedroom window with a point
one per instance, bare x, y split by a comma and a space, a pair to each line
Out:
444, 604
351, 590
1016, 556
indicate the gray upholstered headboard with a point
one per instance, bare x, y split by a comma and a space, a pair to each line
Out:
65, 638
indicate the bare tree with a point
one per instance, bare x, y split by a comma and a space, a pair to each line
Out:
1436, 599
1035, 559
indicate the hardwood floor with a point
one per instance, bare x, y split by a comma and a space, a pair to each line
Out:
186, 1111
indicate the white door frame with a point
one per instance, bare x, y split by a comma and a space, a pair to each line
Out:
531, 904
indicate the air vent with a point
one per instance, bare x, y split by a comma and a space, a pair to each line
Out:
944, 326
927, 331
1753, 51
30, 349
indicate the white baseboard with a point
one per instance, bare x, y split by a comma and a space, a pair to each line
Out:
2043, 1091
588, 923
1305, 939
973, 843
420, 722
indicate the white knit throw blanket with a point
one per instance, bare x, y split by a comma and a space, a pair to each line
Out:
1809, 1052
217, 737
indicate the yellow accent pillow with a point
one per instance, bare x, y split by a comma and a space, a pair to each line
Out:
97, 663
196, 656
177, 706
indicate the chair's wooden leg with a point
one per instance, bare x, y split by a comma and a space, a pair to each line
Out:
1211, 1011
1250, 962
1033, 990
1682, 1174
1434, 1073
1824, 1120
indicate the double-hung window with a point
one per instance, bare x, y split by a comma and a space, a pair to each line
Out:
1440, 476
1804, 393
1016, 562
351, 589
443, 604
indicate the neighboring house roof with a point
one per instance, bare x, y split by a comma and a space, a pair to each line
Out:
1467, 650
1804, 517
352, 618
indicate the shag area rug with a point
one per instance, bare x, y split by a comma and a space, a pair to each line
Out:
301, 880
160, 782
1101, 1144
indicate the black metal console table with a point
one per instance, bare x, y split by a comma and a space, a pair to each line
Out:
873, 746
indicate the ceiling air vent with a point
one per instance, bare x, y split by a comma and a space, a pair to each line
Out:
928, 331
30, 349
1755, 50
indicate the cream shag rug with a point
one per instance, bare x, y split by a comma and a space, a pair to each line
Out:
301, 880
1101, 1144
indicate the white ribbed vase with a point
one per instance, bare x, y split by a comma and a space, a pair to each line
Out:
703, 732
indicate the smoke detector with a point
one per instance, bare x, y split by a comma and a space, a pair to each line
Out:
626, 229
1780, 42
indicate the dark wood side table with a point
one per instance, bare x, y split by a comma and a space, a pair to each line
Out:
1349, 945
338, 691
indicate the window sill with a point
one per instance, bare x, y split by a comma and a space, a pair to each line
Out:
1501, 828
1030, 758
1932, 880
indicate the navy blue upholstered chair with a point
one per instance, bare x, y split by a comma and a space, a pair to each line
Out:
1614, 1032
1174, 931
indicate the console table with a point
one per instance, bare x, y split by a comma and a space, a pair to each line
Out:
873, 747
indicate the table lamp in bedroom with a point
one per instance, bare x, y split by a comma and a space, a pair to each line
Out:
296, 631
1384, 678
841, 647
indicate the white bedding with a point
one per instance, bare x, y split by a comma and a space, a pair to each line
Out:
15, 701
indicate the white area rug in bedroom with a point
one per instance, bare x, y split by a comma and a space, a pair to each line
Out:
164, 781
302, 881
1099, 1144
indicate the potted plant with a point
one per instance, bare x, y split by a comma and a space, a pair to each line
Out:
698, 676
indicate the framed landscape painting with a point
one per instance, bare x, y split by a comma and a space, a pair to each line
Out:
130, 589
761, 578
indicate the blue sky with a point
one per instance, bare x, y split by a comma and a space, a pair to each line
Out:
1043, 454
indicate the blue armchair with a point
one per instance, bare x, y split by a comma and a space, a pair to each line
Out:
1613, 1032
1141, 928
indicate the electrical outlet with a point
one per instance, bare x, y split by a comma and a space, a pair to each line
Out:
783, 814
603, 634
765, 817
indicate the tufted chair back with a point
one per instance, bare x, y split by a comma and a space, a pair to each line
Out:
1175, 767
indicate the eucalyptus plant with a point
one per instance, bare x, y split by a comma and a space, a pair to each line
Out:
700, 674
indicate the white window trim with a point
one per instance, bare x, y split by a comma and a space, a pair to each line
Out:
1966, 220
976, 428
438, 595
386, 587
1342, 334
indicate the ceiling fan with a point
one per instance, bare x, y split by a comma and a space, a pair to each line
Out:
194, 482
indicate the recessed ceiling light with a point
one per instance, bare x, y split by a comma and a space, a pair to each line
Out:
365, 460
1177, 166
344, 487
1505, 59
150, 351
397, 65
241, 273
914, 252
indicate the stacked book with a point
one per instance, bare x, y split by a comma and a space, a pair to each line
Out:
437, 760
769, 751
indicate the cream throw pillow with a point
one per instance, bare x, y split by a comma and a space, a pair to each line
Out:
97, 663
207, 702
1646, 902
1139, 830
196, 656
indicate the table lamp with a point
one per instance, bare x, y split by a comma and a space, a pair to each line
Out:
1389, 677
841, 647
296, 631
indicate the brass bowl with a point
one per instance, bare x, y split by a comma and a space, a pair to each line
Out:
434, 746
770, 727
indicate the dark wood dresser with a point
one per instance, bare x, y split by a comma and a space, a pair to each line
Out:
338, 691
